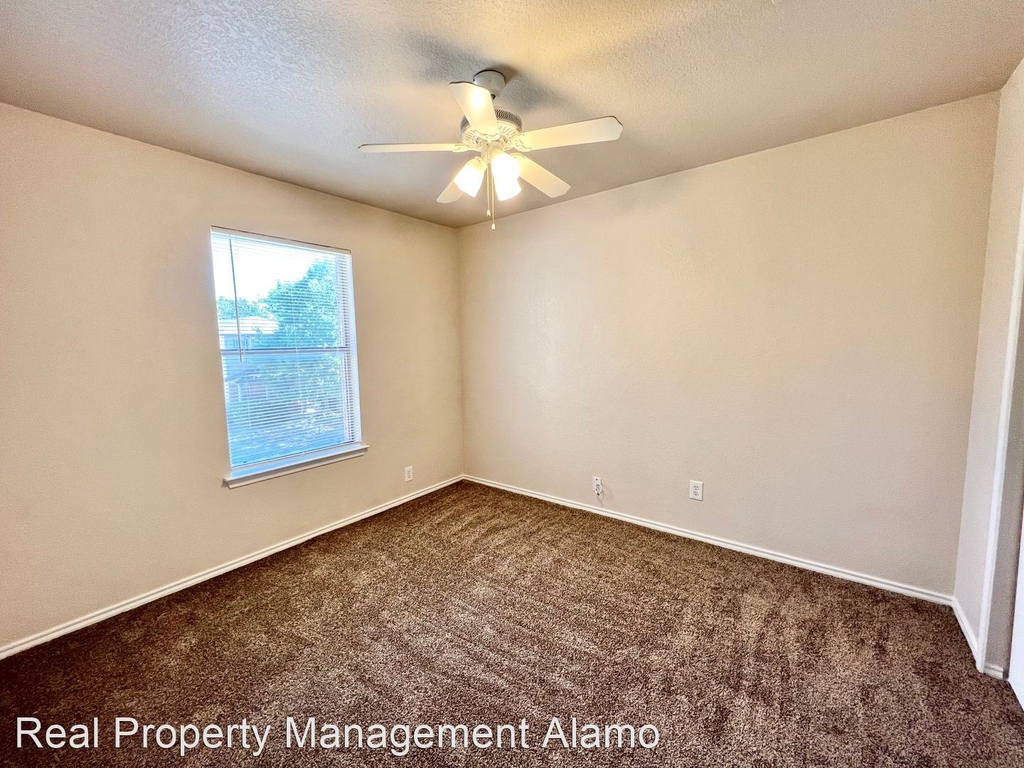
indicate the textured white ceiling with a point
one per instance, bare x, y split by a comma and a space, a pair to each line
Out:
290, 88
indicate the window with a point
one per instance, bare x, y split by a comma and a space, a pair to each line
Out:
288, 354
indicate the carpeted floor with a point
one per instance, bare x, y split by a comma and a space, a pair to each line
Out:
473, 606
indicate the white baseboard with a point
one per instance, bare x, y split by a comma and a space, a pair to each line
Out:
968, 632
842, 573
799, 562
177, 586
993, 670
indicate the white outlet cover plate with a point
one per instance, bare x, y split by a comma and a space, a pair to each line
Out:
697, 490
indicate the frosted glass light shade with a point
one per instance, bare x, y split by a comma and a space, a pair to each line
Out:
471, 176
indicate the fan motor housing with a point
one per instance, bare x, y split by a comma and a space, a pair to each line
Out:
509, 125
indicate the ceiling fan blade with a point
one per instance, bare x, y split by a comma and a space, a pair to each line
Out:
413, 148
586, 132
540, 177
451, 194
478, 106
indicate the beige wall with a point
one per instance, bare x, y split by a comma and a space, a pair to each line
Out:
796, 328
990, 530
112, 411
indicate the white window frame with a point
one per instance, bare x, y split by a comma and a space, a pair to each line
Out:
253, 473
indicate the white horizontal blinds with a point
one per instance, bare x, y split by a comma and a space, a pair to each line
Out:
287, 347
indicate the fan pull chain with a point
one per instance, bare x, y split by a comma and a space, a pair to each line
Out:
491, 205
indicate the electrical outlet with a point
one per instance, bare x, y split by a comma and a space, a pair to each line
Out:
598, 488
697, 490
408, 474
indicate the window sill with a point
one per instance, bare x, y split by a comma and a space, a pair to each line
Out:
269, 469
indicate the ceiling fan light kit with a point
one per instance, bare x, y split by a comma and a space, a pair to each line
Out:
497, 136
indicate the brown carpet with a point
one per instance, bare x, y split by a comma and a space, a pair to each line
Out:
473, 605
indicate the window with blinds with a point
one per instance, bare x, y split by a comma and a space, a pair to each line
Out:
288, 352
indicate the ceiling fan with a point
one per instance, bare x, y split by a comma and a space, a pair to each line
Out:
497, 138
